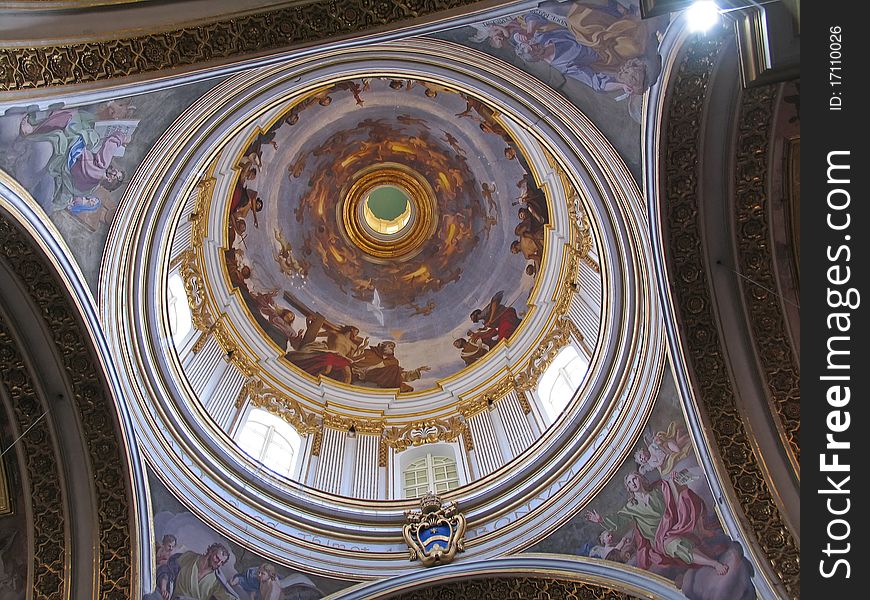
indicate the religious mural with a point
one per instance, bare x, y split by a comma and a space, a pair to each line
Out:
336, 309
658, 514
192, 562
599, 53
76, 161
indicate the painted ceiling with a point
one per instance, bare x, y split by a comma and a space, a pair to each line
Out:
401, 310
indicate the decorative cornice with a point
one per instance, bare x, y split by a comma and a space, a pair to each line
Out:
545, 353
359, 425
690, 284
499, 588
474, 407
246, 36
280, 405
97, 416
755, 261
425, 432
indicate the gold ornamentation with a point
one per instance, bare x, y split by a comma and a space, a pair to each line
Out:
500, 389
435, 532
474, 407
702, 347
779, 365
568, 286
492, 395
545, 353
524, 402
406, 243
195, 288
231, 350
526, 586
317, 443
361, 426
425, 432
469, 441
382, 453
278, 404
199, 216
230, 39
580, 224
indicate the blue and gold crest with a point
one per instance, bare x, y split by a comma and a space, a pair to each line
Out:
436, 532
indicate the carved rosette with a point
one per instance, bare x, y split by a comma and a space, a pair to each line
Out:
501, 588
703, 346
227, 40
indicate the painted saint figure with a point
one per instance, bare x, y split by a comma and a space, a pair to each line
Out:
668, 521
498, 322
471, 350
378, 365
81, 159
194, 576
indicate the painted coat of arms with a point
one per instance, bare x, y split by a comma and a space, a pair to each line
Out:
436, 532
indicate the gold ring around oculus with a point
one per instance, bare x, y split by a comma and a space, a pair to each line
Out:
388, 211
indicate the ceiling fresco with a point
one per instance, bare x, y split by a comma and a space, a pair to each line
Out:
599, 53
80, 183
181, 539
657, 514
398, 308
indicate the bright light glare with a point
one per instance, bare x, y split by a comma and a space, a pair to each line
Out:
702, 15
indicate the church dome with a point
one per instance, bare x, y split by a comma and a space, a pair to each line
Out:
376, 280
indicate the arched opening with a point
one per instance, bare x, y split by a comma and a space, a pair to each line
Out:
271, 441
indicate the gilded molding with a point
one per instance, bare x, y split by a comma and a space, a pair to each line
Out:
361, 426
382, 453
500, 588
249, 35
97, 417
545, 353
695, 311
194, 286
231, 349
780, 367
425, 432
474, 407
317, 443
198, 217
524, 402
278, 404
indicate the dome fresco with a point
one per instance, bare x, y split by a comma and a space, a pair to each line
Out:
381, 253
402, 309
311, 311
